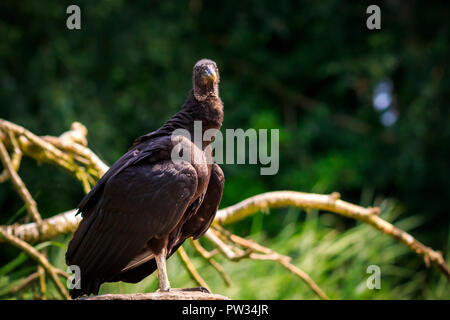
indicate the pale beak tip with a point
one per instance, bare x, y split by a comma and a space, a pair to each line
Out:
211, 74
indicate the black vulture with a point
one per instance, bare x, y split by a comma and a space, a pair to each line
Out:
146, 205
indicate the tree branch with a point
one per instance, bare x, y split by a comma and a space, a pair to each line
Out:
26, 282
171, 295
191, 268
330, 203
19, 185
15, 159
67, 222
208, 256
64, 151
259, 252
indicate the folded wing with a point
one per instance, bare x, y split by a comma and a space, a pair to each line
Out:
144, 200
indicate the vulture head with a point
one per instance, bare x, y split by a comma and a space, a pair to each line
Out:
205, 79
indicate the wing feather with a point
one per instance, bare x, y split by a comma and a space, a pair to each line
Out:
142, 201
143, 265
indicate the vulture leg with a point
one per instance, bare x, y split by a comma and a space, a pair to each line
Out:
164, 284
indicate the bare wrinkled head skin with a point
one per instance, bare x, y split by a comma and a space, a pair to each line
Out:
205, 79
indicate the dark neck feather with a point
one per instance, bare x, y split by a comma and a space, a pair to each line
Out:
208, 111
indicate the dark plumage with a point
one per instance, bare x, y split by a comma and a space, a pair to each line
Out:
146, 205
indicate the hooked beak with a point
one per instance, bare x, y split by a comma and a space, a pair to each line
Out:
211, 73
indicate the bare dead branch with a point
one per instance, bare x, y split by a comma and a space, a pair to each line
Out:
42, 284
259, 252
60, 151
67, 222
170, 295
25, 282
59, 224
208, 256
191, 268
19, 185
331, 203
15, 158
69, 151
225, 249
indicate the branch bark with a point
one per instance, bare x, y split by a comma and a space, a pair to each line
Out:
64, 151
191, 268
208, 256
19, 185
67, 222
171, 295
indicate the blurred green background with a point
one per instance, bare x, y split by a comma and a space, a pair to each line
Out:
360, 112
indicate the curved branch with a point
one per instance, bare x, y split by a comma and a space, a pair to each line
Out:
68, 222
59, 224
36, 147
259, 252
330, 203
208, 256
64, 151
191, 268
19, 185
174, 294
279, 199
